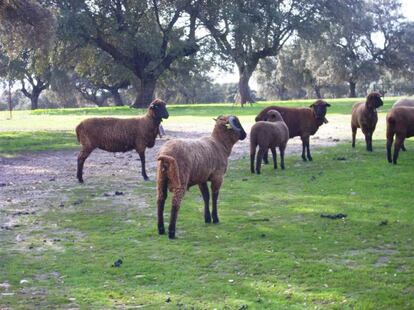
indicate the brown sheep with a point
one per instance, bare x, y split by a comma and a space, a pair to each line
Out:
268, 135
364, 116
400, 122
404, 102
184, 163
302, 122
120, 135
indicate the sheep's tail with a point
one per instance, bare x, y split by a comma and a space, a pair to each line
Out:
390, 126
169, 164
78, 129
253, 144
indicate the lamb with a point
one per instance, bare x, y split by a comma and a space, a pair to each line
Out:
364, 116
268, 134
400, 122
302, 122
183, 163
120, 135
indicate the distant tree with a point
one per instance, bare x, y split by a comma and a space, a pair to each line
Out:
247, 31
98, 77
145, 37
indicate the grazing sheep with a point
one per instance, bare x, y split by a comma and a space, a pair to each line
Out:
364, 116
268, 135
184, 163
404, 102
120, 135
302, 122
400, 122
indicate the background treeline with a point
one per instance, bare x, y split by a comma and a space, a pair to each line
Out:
74, 53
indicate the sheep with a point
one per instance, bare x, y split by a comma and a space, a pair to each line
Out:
268, 134
302, 122
185, 163
364, 116
404, 102
400, 122
120, 135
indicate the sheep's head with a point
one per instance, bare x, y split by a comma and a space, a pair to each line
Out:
319, 108
158, 109
231, 124
374, 101
273, 116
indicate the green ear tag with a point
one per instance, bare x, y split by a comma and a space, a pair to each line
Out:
228, 126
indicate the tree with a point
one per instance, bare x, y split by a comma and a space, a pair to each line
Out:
145, 37
97, 77
365, 36
247, 31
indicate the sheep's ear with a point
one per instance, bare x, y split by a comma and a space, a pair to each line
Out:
328, 105
312, 105
215, 119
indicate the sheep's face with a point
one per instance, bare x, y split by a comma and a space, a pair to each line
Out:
231, 124
319, 108
159, 109
374, 101
273, 116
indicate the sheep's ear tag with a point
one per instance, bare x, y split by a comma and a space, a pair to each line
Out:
228, 126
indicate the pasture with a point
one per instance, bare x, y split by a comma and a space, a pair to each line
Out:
272, 249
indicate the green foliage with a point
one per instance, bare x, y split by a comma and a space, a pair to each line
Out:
272, 250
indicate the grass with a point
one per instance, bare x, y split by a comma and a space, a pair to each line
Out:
50, 124
272, 250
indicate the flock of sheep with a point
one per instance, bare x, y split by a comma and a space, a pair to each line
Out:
184, 163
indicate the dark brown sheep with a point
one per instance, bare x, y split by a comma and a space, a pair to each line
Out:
184, 163
120, 135
404, 102
268, 135
364, 116
400, 122
302, 122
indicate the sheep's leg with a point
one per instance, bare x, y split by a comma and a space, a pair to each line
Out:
215, 189
354, 131
368, 141
398, 142
389, 146
260, 154
273, 149
162, 192
176, 202
83, 155
303, 148
305, 145
282, 156
206, 197
143, 171
266, 157
403, 147
252, 155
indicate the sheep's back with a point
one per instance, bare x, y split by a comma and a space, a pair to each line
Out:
269, 134
110, 134
197, 160
404, 102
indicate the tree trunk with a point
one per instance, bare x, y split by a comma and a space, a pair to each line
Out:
34, 99
146, 94
317, 90
117, 97
244, 89
352, 89
10, 100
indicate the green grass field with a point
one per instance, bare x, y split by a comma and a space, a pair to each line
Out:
271, 250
